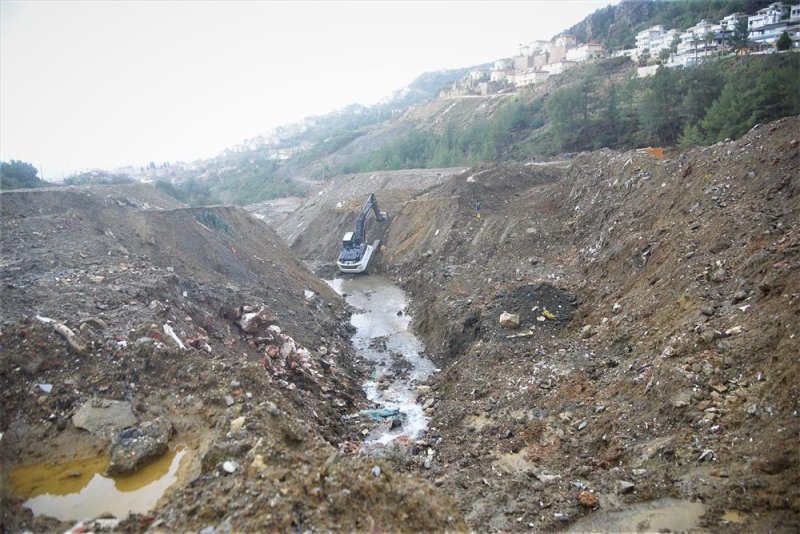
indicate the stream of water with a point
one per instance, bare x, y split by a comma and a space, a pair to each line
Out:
383, 338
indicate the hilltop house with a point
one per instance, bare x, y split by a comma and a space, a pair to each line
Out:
653, 40
767, 25
584, 52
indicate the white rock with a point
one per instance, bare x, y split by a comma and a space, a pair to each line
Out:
230, 466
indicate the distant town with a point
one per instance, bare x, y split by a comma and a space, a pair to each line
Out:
655, 46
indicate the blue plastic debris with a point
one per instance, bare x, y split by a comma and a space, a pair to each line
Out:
380, 413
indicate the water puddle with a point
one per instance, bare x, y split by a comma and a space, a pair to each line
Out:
77, 490
383, 338
656, 516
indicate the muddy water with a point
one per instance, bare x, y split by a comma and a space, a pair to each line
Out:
663, 515
77, 490
383, 338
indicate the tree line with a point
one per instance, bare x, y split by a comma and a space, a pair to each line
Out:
693, 106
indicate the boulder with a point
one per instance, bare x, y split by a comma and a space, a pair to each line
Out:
101, 415
509, 320
136, 446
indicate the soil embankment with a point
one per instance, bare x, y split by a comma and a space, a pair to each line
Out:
118, 304
665, 370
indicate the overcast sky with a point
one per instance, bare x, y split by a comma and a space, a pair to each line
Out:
104, 84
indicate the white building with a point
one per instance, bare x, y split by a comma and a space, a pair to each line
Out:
528, 77
771, 14
767, 25
558, 67
584, 52
698, 42
654, 40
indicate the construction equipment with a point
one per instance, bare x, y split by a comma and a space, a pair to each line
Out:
356, 254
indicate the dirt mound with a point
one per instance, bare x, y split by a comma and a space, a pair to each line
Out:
676, 375
203, 317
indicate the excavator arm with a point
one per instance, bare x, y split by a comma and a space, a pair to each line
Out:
355, 254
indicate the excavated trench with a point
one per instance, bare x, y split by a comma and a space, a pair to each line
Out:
382, 338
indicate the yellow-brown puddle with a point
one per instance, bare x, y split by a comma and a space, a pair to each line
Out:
77, 490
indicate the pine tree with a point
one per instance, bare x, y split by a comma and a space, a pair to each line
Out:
784, 42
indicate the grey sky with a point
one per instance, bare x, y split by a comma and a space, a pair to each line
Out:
104, 84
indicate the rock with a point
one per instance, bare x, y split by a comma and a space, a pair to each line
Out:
229, 401
624, 486
230, 466
668, 352
733, 331
509, 320
257, 465
237, 424
587, 331
719, 388
47, 388
588, 499
288, 347
616, 308
739, 296
99, 416
718, 275
134, 447
546, 478
258, 322
682, 399
308, 294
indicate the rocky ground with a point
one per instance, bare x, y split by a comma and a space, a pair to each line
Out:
666, 366
128, 322
646, 364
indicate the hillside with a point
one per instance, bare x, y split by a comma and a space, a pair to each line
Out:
616, 26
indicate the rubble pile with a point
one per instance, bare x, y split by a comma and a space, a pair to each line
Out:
130, 326
616, 333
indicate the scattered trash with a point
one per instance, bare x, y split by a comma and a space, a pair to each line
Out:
509, 320
380, 413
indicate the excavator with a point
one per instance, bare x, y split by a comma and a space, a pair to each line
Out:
356, 254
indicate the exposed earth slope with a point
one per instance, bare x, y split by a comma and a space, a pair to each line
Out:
657, 352
201, 317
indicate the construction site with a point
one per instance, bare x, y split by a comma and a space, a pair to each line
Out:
602, 343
